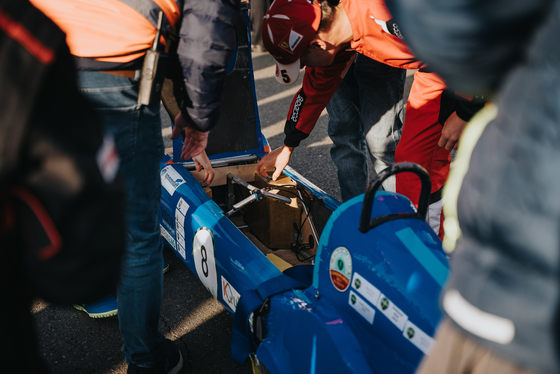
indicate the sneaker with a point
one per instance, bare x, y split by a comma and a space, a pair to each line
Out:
171, 362
106, 307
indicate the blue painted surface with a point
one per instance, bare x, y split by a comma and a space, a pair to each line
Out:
329, 201
237, 259
317, 329
423, 255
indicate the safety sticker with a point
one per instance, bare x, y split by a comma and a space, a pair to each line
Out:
361, 307
229, 294
170, 179
394, 314
181, 238
179, 219
180, 212
182, 252
205, 260
167, 237
366, 289
341, 268
182, 206
419, 338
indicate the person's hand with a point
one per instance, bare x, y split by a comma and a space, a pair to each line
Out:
278, 158
202, 161
194, 141
451, 132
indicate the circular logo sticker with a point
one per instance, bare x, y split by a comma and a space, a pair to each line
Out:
341, 268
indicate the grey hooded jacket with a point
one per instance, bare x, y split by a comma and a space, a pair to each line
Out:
505, 268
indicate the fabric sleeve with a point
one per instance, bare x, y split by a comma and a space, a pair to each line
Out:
470, 44
319, 85
206, 42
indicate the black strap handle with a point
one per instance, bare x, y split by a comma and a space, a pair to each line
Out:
367, 224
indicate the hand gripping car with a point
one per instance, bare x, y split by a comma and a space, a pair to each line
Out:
313, 286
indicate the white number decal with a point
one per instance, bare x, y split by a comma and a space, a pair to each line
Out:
205, 260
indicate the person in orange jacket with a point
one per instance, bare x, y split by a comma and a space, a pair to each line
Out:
109, 40
355, 58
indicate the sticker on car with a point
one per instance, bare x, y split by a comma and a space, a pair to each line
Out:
392, 312
419, 338
229, 294
361, 307
205, 260
340, 268
366, 289
171, 179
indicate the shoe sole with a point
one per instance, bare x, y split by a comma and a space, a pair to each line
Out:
98, 315
166, 269
177, 367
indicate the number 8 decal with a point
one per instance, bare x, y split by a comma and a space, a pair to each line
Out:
205, 260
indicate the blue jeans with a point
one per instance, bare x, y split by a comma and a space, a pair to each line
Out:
137, 133
366, 112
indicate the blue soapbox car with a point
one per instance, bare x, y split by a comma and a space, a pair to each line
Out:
313, 286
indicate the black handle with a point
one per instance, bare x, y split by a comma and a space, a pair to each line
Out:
367, 224
272, 195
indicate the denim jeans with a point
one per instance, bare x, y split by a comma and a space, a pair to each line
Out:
366, 112
137, 133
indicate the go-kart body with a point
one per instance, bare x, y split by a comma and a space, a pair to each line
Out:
308, 290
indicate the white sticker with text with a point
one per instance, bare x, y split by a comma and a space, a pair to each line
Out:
229, 294
182, 206
419, 338
170, 179
361, 307
180, 220
392, 312
167, 236
366, 289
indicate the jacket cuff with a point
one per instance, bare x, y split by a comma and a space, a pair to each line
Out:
291, 142
293, 135
467, 109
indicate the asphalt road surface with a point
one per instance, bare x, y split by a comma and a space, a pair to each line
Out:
71, 342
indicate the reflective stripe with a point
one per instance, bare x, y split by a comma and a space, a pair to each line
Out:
108, 30
485, 325
19, 33
468, 140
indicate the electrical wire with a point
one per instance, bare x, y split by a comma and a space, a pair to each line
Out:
299, 246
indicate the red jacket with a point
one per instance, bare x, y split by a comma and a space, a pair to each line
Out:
375, 36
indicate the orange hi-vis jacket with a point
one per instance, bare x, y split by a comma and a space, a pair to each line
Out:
111, 31
106, 35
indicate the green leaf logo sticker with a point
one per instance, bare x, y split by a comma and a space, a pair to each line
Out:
357, 283
340, 264
384, 303
410, 332
353, 299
